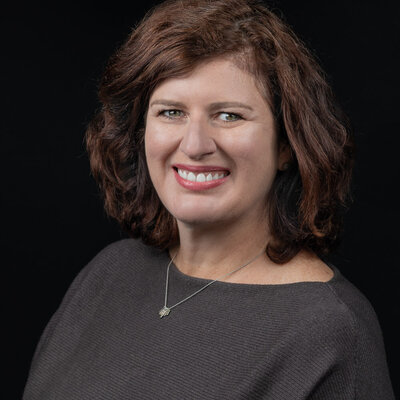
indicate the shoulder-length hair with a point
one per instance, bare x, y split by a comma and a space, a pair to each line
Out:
306, 201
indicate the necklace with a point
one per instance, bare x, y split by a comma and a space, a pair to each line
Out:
166, 310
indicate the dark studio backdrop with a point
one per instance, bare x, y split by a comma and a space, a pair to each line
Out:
53, 221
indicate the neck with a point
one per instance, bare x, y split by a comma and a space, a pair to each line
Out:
210, 252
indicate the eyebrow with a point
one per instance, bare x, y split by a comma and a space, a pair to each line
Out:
213, 106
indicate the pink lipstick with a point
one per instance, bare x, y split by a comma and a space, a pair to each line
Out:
200, 177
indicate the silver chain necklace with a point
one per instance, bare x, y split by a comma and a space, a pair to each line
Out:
166, 310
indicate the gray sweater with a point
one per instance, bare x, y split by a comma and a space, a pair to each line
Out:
307, 340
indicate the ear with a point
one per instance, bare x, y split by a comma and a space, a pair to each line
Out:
284, 156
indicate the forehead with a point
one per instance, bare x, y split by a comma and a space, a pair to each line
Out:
220, 79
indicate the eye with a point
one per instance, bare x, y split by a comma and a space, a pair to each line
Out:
171, 114
229, 117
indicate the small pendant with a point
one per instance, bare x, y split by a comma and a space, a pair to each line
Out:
164, 311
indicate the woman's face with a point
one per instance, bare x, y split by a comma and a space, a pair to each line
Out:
211, 145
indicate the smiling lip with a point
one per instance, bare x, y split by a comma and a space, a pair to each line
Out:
200, 168
198, 186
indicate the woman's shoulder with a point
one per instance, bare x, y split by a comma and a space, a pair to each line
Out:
338, 316
353, 301
118, 260
123, 249
121, 254
338, 302
108, 273
356, 322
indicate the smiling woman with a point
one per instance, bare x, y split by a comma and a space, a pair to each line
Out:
199, 149
220, 150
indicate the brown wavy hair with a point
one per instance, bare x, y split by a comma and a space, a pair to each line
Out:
306, 201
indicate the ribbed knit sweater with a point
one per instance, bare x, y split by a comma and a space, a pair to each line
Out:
305, 340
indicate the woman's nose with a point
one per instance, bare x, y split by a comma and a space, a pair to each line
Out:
197, 140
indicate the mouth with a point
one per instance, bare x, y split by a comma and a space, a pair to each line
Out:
200, 177
206, 176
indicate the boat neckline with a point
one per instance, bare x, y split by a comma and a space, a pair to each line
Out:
178, 272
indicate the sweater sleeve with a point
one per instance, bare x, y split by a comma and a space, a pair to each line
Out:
54, 320
85, 286
357, 335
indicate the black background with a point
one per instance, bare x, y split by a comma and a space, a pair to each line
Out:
53, 221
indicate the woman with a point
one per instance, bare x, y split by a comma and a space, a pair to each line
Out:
220, 150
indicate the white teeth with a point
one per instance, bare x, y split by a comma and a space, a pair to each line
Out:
182, 173
191, 177
201, 178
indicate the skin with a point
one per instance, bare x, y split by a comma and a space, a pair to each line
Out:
223, 227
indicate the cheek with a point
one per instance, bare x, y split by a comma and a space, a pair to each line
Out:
158, 144
151, 146
152, 151
258, 151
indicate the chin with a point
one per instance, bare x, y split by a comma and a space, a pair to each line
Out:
195, 219
198, 217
